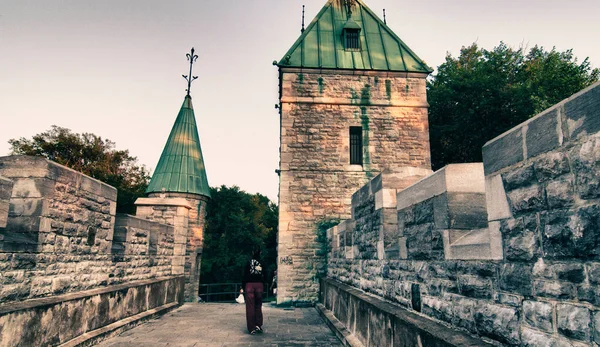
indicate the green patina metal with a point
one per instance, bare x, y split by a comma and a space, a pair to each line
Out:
180, 168
388, 89
321, 45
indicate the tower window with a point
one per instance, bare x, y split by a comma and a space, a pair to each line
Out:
352, 39
356, 145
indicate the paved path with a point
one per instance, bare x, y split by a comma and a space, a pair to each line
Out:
225, 325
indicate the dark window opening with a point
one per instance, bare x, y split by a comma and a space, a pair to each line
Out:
356, 145
352, 39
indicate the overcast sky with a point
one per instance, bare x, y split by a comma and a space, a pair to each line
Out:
113, 67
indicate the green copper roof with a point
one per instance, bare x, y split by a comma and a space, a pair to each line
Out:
181, 167
322, 46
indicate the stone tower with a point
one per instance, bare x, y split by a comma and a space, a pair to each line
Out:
178, 194
352, 104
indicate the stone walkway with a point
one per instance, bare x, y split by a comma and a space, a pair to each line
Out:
225, 325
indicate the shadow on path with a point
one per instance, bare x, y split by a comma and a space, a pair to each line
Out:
225, 325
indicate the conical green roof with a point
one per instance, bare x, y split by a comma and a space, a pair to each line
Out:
322, 46
180, 168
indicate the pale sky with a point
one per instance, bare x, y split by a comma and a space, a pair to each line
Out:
113, 67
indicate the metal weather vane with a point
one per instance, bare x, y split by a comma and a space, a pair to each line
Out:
189, 78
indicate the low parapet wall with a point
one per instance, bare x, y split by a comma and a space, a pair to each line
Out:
535, 280
70, 268
78, 318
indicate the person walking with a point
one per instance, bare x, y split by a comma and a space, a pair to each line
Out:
253, 285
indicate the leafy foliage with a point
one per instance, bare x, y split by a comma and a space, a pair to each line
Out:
483, 93
91, 155
236, 222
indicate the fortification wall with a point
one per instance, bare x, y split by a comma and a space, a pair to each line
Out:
66, 257
529, 276
318, 107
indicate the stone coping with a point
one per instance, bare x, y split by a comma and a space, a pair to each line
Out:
49, 301
419, 322
354, 72
25, 166
575, 117
128, 220
350, 102
179, 202
463, 178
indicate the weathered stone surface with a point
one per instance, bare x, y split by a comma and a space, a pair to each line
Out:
573, 321
539, 315
587, 239
594, 272
520, 177
544, 133
474, 287
528, 199
583, 112
516, 278
508, 299
586, 159
551, 166
560, 194
503, 151
596, 323
555, 289
557, 236
498, 322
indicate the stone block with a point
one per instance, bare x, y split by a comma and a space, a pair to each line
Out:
535, 338
582, 112
498, 322
385, 198
551, 166
587, 238
517, 278
544, 133
555, 289
474, 287
521, 238
519, 177
503, 151
591, 294
593, 270
539, 315
558, 228
29, 207
560, 194
508, 299
529, 199
496, 199
574, 321
586, 163
465, 178
467, 211
570, 272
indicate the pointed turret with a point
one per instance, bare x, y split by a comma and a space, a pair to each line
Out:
343, 37
181, 166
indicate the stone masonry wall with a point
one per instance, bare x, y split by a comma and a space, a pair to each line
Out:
60, 235
318, 107
189, 230
543, 198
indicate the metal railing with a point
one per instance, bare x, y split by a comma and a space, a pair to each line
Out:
226, 292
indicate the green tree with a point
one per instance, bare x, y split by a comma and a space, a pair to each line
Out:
483, 93
236, 222
93, 156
